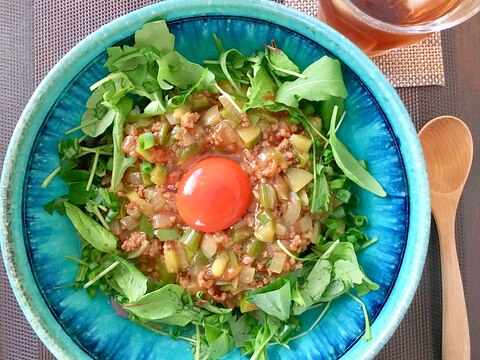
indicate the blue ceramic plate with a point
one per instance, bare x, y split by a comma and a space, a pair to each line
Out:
377, 129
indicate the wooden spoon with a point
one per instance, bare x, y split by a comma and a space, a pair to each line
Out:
448, 148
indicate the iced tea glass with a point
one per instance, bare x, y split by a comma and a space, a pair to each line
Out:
378, 26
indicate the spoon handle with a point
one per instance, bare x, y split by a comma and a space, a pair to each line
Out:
455, 338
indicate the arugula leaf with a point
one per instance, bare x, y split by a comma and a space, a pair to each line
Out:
57, 204
156, 35
322, 79
274, 302
326, 111
321, 201
95, 234
165, 305
77, 195
262, 89
314, 286
347, 272
120, 162
266, 332
351, 167
237, 60
220, 346
279, 63
175, 70
130, 280
334, 290
240, 329
366, 286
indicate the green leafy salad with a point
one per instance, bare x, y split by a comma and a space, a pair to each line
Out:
216, 271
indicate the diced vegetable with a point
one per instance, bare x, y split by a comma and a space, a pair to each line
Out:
182, 255
178, 112
246, 274
211, 117
220, 264
297, 179
230, 112
245, 305
302, 157
254, 248
146, 167
250, 136
145, 207
171, 260
163, 134
278, 261
159, 174
302, 195
268, 196
292, 213
168, 234
281, 187
280, 229
190, 151
300, 143
241, 234
266, 233
146, 141
264, 217
191, 238
208, 246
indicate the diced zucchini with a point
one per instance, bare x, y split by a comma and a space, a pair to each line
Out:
233, 259
220, 264
178, 113
268, 196
191, 238
302, 157
171, 260
190, 151
241, 234
168, 234
199, 102
297, 179
159, 175
266, 233
165, 276
254, 248
264, 217
300, 143
163, 134
250, 136
144, 153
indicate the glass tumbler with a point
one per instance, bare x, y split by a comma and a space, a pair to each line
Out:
377, 26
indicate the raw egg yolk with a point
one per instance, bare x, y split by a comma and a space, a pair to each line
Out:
214, 194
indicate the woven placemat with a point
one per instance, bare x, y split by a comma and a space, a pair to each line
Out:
33, 39
416, 65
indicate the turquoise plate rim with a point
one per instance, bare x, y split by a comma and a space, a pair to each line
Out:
12, 239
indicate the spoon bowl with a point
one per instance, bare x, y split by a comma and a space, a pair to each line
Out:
448, 149
447, 145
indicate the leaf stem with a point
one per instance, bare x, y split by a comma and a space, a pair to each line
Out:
50, 177
87, 124
77, 260
100, 217
368, 334
92, 170
197, 343
368, 243
322, 314
101, 274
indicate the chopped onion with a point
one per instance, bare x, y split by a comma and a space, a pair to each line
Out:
115, 227
305, 224
134, 178
157, 200
211, 117
149, 192
162, 220
209, 246
129, 222
220, 264
135, 212
292, 213
280, 229
278, 260
226, 133
281, 187
246, 274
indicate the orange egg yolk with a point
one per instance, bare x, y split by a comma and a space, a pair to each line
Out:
214, 194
